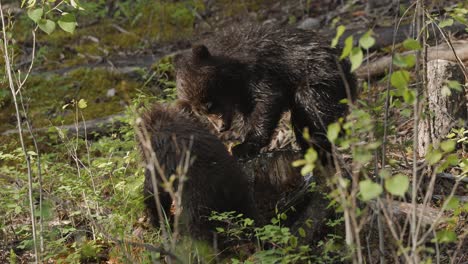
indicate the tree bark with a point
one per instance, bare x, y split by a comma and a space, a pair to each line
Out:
443, 111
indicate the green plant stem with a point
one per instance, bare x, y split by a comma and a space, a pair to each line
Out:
20, 132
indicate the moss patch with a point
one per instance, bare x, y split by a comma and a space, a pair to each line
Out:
46, 96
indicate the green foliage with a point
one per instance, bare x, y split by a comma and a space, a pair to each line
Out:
446, 23
35, 14
333, 131
286, 248
397, 185
400, 79
407, 61
356, 56
235, 225
102, 181
45, 16
458, 13
369, 190
339, 32
67, 22
308, 163
412, 44
446, 236
47, 25
367, 41
348, 46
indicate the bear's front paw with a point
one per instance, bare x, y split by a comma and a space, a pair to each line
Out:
245, 150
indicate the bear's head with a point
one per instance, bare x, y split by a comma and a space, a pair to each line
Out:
211, 83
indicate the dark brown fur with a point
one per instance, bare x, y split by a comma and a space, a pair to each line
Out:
215, 182
261, 72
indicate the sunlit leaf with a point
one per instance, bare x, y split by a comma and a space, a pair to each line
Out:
452, 203
445, 91
333, 132
397, 185
311, 155
400, 79
446, 236
433, 157
347, 48
82, 104
35, 14
339, 32
367, 41
356, 58
448, 145
455, 85
412, 44
67, 22
308, 168
407, 61
46, 25
369, 190
446, 23
298, 163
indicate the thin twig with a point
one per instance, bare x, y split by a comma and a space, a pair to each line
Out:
20, 131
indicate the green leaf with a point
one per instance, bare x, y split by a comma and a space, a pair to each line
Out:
311, 155
356, 58
308, 168
298, 163
367, 41
67, 22
411, 44
433, 157
445, 91
400, 79
409, 96
397, 185
82, 104
333, 132
35, 14
302, 232
446, 23
452, 204
76, 5
48, 26
339, 32
407, 61
455, 85
369, 190
448, 145
406, 112
347, 48
446, 236
385, 173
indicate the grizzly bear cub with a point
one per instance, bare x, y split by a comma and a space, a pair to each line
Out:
261, 72
214, 180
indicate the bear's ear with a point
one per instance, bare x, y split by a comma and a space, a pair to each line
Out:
200, 53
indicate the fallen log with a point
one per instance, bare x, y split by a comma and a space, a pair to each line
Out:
443, 52
384, 35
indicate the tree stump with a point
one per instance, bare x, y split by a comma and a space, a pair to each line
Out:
446, 108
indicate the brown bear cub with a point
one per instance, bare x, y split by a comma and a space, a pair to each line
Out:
214, 180
261, 72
